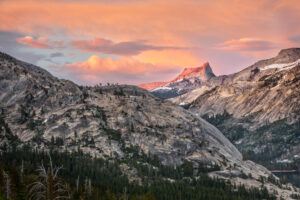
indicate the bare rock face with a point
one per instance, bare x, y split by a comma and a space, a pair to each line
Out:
110, 122
186, 81
203, 72
262, 103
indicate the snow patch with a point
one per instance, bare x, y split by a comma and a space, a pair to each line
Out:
284, 161
275, 87
281, 67
239, 141
45, 121
178, 80
182, 104
161, 88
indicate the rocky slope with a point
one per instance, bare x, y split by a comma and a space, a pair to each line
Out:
258, 108
111, 122
186, 81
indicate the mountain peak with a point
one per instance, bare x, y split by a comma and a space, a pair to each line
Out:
205, 65
290, 51
287, 55
203, 71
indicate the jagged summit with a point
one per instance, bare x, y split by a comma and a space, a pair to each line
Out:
203, 72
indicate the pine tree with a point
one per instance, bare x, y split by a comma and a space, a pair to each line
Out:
7, 184
48, 186
89, 187
125, 194
77, 184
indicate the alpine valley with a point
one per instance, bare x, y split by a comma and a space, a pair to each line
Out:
122, 142
257, 109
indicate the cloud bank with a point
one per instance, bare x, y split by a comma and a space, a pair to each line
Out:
247, 44
230, 34
124, 70
121, 48
40, 43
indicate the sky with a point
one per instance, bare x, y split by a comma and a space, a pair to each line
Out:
140, 41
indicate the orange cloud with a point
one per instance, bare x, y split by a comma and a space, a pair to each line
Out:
169, 23
122, 48
40, 43
124, 70
247, 44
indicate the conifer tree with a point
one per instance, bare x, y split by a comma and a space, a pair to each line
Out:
48, 186
7, 184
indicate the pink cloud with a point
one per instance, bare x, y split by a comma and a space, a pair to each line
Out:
121, 48
164, 23
247, 44
124, 70
295, 39
40, 43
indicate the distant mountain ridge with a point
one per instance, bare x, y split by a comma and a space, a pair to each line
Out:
186, 81
203, 72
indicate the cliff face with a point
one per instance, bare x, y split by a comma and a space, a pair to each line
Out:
187, 80
264, 99
203, 72
110, 122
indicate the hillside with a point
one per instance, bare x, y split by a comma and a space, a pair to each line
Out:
257, 108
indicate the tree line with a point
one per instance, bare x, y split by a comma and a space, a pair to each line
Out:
31, 174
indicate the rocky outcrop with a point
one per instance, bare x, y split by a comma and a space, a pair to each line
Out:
186, 81
203, 72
